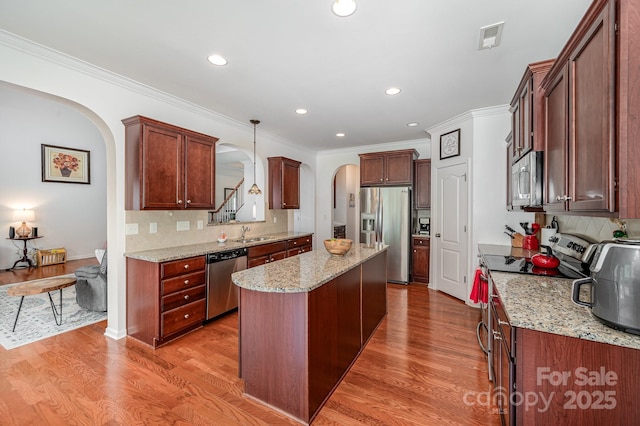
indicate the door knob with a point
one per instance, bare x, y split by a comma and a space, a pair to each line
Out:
438, 235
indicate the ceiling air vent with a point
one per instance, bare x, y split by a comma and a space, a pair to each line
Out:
490, 36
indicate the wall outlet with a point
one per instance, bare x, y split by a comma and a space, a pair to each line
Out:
131, 229
200, 224
153, 227
183, 225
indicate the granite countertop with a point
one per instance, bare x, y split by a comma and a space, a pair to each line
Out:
544, 304
304, 272
182, 252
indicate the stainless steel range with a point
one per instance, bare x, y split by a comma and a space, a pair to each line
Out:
574, 253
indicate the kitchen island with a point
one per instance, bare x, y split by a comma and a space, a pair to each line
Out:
303, 322
564, 366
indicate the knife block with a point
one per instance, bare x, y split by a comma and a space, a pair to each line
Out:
516, 241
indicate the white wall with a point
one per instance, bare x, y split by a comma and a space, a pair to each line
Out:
72, 216
105, 99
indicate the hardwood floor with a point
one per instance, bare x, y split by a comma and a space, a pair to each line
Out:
27, 274
416, 370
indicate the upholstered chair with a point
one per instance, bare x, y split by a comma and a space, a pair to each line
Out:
91, 286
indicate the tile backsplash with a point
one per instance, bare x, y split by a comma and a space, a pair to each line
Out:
597, 228
167, 235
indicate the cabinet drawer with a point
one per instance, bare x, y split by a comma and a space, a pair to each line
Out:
177, 267
297, 242
182, 317
180, 298
299, 250
182, 282
421, 242
265, 249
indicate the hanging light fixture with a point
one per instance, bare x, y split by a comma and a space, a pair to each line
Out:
344, 8
254, 190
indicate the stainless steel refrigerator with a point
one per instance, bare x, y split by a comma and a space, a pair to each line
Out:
385, 217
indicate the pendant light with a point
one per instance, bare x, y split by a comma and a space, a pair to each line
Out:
254, 190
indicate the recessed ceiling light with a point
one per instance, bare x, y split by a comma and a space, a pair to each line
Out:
340, 135
392, 91
217, 60
413, 124
301, 111
344, 8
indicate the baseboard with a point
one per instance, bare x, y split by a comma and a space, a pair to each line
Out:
115, 334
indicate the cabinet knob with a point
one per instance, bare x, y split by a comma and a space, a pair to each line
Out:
284, 204
186, 316
186, 266
186, 282
188, 201
295, 242
415, 251
381, 179
186, 297
179, 202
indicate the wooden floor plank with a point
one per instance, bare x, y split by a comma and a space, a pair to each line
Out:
415, 370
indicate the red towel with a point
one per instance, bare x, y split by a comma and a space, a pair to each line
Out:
480, 290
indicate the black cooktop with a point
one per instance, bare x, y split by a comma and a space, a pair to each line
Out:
521, 265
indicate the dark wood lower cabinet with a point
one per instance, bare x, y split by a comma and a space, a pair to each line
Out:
296, 347
165, 300
420, 259
582, 382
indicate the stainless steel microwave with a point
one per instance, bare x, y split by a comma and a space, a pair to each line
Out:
526, 184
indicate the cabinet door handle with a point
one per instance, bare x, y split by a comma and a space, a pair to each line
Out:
186, 316
496, 335
415, 251
186, 282
284, 204
186, 297
179, 202
381, 179
503, 322
295, 242
188, 201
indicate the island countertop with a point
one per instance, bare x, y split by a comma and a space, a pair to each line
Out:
304, 272
191, 250
544, 304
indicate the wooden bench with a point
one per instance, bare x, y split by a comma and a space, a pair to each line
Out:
46, 285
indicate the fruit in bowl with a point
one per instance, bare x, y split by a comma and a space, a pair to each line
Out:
338, 246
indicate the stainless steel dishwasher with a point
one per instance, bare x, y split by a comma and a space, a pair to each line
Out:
222, 294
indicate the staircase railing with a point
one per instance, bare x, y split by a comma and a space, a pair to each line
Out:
228, 210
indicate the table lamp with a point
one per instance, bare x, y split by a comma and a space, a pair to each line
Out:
23, 216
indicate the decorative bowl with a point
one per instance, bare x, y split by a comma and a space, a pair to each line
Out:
338, 246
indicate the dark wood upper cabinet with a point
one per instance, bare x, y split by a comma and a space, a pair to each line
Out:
422, 184
579, 95
167, 167
527, 111
284, 183
391, 168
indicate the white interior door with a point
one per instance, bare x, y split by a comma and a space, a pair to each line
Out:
451, 236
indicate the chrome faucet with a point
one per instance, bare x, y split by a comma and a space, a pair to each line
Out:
243, 229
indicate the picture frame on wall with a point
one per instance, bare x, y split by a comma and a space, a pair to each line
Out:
450, 144
66, 165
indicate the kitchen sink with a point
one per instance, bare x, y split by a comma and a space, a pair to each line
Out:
252, 240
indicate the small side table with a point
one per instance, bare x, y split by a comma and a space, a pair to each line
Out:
25, 258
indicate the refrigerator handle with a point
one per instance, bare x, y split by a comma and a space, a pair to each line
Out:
379, 219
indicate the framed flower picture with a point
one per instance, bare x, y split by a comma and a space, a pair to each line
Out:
67, 165
450, 144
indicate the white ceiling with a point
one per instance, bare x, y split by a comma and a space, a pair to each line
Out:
289, 54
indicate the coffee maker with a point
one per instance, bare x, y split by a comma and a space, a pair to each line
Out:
424, 224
